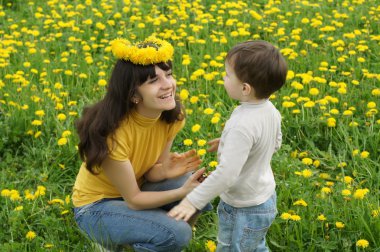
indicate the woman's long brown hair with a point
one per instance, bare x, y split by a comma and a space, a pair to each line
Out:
100, 120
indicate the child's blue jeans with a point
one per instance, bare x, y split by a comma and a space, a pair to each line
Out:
244, 229
111, 223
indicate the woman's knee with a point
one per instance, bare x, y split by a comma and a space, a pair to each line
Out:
183, 234
175, 239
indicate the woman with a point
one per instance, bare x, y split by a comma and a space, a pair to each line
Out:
129, 177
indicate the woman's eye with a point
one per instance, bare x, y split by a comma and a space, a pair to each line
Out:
153, 80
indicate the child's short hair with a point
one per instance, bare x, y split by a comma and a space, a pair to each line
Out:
259, 64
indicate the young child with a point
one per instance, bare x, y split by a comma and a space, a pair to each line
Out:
243, 178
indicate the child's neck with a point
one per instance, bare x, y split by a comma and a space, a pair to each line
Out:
253, 100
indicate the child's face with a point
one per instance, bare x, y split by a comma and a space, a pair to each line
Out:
232, 84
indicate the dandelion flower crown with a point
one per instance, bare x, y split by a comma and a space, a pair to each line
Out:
150, 51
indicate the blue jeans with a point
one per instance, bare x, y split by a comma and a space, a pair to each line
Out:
111, 223
244, 229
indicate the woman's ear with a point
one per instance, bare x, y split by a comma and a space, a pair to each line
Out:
247, 89
136, 98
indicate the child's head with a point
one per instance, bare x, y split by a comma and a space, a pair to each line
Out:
259, 64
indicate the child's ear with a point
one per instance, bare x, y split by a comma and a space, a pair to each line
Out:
247, 89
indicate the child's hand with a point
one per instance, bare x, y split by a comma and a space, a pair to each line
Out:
183, 211
214, 144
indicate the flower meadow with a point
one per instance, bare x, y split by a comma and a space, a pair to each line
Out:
55, 59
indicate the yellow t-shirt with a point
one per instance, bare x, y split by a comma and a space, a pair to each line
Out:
138, 139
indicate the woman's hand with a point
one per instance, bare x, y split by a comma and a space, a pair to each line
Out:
192, 181
214, 144
183, 211
178, 164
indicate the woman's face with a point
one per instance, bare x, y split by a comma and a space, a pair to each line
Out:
156, 94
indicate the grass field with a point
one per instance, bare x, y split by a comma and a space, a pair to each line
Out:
55, 58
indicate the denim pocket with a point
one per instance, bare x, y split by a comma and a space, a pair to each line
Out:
255, 222
80, 211
226, 216
255, 229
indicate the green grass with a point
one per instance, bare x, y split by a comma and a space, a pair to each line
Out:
332, 46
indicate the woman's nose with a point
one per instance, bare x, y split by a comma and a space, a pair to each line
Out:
168, 83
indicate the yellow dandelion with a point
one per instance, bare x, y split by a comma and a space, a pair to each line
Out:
56, 201
213, 164
316, 163
39, 113
295, 217
15, 196
375, 213
195, 128
62, 141
61, 117
285, 216
360, 193
210, 246
331, 122
326, 190
313, 91
346, 192
371, 105
187, 142
66, 133
215, 119
201, 142
30, 235
342, 164
184, 94
364, 154
119, 47
339, 224
376, 92
201, 152
36, 122
355, 152
321, 217
102, 82
19, 208
5, 193
362, 243
208, 111
300, 202
194, 99
64, 212
37, 134
307, 161
307, 173
48, 245
348, 179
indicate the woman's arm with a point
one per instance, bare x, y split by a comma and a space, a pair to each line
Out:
122, 176
171, 165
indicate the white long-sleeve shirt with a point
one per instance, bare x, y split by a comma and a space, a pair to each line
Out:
244, 175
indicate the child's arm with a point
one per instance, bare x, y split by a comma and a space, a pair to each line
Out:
183, 211
233, 156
